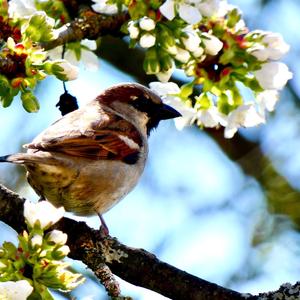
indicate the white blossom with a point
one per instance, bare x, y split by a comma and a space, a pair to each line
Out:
244, 116
210, 117
15, 290
147, 24
102, 7
167, 91
58, 237
21, 8
168, 9
273, 47
88, 58
267, 100
43, 211
69, 71
147, 40
133, 30
187, 10
182, 55
273, 75
65, 250
191, 40
171, 49
198, 52
36, 240
166, 75
163, 89
209, 8
189, 13
212, 44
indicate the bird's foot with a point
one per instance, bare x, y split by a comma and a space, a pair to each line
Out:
104, 231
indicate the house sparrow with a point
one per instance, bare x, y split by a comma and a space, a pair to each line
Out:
89, 159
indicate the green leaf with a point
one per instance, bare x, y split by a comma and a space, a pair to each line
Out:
29, 101
223, 104
186, 90
6, 100
203, 101
39, 27
4, 86
151, 64
233, 17
3, 8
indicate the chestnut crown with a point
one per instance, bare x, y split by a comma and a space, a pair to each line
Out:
143, 100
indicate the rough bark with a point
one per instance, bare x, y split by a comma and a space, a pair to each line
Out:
136, 266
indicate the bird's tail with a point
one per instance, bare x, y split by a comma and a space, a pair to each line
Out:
29, 158
4, 158
17, 158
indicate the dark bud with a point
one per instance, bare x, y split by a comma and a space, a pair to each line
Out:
67, 103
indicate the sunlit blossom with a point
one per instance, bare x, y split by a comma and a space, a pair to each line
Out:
244, 116
212, 44
210, 117
57, 237
21, 8
191, 39
273, 75
43, 211
272, 47
147, 24
15, 290
186, 10
37, 240
147, 40
103, 7
133, 30
267, 100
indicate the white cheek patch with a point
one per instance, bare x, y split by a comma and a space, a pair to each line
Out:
129, 142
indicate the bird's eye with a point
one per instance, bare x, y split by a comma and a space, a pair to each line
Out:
142, 104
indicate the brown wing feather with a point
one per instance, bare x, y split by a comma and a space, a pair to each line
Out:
115, 138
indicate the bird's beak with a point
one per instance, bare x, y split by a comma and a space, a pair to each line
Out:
167, 112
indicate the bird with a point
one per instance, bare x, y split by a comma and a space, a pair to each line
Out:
91, 158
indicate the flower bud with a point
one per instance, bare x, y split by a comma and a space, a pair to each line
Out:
167, 42
151, 64
57, 237
62, 69
191, 40
36, 241
212, 44
147, 24
61, 252
29, 101
147, 40
164, 76
182, 55
133, 30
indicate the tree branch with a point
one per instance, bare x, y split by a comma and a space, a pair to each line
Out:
136, 266
89, 26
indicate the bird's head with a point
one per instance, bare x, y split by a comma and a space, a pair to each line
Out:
138, 103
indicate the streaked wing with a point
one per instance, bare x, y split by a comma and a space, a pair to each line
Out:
114, 138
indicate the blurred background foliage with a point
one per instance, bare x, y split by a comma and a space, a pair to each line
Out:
225, 210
